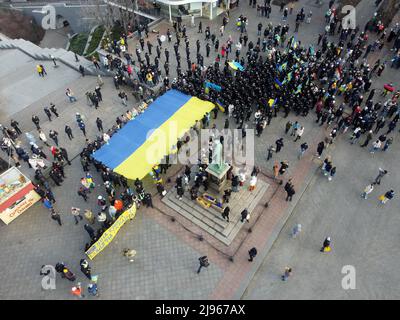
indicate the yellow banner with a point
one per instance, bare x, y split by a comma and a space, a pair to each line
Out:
110, 233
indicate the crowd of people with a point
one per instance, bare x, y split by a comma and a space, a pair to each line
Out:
277, 75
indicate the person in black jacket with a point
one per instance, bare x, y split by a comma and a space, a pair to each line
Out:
252, 253
203, 263
85, 268
279, 144
225, 214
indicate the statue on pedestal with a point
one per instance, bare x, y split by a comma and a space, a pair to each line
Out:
217, 154
218, 169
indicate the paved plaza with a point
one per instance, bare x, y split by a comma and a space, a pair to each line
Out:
364, 233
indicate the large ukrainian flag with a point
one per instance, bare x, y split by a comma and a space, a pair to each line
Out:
145, 140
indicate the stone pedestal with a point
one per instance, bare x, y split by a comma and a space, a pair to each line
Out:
217, 176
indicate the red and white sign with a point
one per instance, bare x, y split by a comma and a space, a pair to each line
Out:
16, 193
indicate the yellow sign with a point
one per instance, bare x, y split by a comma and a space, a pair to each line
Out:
110, 233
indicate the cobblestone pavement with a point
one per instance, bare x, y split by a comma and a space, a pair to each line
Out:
363, 232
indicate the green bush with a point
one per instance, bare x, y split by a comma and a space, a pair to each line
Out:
78, 43
116, 32
96, 38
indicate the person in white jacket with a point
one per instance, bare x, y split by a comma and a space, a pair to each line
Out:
253, 182
43, 138
299, 133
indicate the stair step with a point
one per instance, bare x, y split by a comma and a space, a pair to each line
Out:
193, 216
210, 213
201, 214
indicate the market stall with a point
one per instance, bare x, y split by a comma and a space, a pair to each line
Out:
17, 194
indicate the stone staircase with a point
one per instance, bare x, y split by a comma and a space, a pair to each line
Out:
43, 54
210, 220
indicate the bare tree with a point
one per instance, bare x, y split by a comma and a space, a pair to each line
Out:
98, 12
108, 12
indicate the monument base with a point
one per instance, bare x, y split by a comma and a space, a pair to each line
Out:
218, 177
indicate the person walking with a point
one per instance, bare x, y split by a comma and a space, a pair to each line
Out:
297, 25
54, 109
82, 70
48, 204
286, 274
15, 125
245, 215
49, 194
376, 146
320, 149
355, 135
55, 216
288, 126
225, 213
296, 230
148, 200
54, 136
78, 291
99, 124
381, 174
83, 193
270, 151
129, 253
89, 216
76, 214
389, 195
253, 183
388, 142
36, 121
367, 190
47, 112
275, 169
326, 246
284, 167
367, 139
39, 71
64, 154
70, 95
303, 149
68, 131
252, 253
180, 191
203, 263
299, 133
82, 127
289, 188
85, 268
279, 144
296, 126
93, 290
43, 138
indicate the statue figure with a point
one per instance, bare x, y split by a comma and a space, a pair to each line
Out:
217, 154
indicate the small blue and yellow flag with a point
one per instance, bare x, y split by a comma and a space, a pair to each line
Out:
272, 102
220, 106
298, 90
213, 86
236, 65
278, 84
